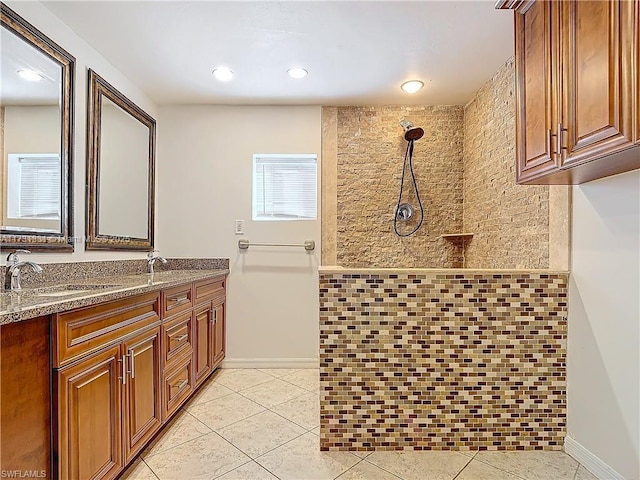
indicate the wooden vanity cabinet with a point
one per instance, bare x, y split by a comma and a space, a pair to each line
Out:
107, 387
83, 391
577, 89
209, 327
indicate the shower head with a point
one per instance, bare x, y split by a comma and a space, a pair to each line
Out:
411, 132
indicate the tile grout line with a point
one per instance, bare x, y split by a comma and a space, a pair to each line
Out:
150, 469
465, 466
378, 466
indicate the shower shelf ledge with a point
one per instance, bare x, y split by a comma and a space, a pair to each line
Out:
457, 235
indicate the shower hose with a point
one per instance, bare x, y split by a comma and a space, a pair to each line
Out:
408, 160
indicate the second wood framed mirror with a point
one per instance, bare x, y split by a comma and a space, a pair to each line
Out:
120, 170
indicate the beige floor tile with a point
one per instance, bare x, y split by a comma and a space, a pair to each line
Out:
248, 471
242, 378
210, 391
279, 372
138, 471
366, 471
477, 470
205, 457
584, 474
316, 431
361, 453
273, 392
301, 459
411, 465
225, 410
303, 410
185, 427
533, 465
308, 379
260, 433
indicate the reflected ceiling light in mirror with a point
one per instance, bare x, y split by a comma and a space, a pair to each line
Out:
30, 75
412, 86
297, 72
224, 74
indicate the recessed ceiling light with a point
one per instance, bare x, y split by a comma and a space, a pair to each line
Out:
297, 72
412, 86
223, 74
30, 75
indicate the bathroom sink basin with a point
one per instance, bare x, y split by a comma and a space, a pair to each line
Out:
66, 290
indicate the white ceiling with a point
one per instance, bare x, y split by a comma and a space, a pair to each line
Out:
356, 52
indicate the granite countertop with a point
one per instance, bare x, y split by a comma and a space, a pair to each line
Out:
46, 300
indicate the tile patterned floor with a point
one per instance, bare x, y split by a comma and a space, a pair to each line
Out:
263, 424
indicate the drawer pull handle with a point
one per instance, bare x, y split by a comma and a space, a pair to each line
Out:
178, 299
180, 384
181, 337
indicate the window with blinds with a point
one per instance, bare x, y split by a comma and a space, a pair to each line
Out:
285, 187
33, 186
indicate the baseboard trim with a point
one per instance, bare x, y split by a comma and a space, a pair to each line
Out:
270, 363
590, 461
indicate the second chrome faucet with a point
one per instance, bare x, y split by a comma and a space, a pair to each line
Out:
151, 260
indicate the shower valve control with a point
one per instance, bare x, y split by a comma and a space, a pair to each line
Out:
239, 230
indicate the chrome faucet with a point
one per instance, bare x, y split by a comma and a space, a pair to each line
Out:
152, 260
14, 274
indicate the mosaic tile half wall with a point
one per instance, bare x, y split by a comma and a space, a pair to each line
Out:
442, 360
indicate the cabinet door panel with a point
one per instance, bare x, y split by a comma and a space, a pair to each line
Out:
536, 52
202, 355
88, 435
142, 404
597, 107
218, 333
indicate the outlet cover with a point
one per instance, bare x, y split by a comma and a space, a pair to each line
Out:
239, 230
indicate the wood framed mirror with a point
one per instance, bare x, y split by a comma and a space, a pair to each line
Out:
36, 138
120, 170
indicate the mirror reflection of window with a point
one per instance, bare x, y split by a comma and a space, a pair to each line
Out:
33, 191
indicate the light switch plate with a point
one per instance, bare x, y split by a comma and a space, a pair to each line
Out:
239, 227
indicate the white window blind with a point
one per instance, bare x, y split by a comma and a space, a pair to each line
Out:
285, 187
34, 186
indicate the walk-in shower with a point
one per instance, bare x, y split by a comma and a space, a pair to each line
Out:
404, 211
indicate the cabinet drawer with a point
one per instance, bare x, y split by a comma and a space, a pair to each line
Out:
177, 387
176, 300
208, 289
85, 330
176, 338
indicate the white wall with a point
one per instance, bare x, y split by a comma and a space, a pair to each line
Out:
86, 57
204, 184
604, 324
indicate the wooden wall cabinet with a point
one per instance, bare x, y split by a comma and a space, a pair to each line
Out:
577, 90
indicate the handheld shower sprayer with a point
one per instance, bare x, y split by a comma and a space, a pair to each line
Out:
404, 211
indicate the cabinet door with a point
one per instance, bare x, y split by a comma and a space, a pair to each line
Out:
88, 434
537, 100
218, 332
142, 406
202, 354
598, 82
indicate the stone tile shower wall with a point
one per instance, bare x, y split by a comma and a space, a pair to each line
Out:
510, 222
442, 360
370, 152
